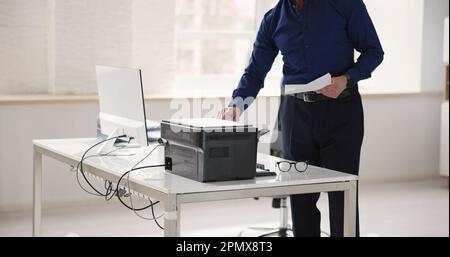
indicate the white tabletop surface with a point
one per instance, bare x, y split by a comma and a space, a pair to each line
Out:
160, 180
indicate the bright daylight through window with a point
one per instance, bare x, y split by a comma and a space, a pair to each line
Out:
214, 40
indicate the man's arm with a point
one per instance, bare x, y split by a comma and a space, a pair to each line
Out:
263, 56
364, 38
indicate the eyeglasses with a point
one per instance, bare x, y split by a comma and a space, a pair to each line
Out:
286, 166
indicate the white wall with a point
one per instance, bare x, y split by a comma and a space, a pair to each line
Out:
411, 32
19, 124
402, 142
401, 137
433, 72
399, 24
23, 46
446, 42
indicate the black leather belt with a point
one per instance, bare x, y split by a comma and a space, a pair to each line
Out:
311, 97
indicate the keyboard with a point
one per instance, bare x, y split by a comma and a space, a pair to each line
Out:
261, 171
264, 173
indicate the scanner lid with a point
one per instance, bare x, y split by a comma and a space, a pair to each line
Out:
206, 124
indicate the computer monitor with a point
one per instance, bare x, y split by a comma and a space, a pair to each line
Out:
122, 106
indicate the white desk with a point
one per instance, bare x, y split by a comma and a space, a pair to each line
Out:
173, 190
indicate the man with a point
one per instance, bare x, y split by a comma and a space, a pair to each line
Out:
325, 128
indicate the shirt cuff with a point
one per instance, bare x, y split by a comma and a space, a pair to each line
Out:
354, 75
241, 103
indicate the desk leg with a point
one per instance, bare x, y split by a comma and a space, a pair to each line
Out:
37, 192
350, 210
171, 217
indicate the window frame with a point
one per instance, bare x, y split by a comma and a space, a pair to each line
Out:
213, 85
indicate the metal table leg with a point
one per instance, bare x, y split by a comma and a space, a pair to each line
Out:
37, 192
171, 217
350, 210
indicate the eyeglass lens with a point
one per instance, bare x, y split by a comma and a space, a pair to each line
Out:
284, 166
301, 166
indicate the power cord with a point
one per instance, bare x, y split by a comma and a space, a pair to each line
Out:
79, 168
80, 164
154, 218
120, 180
110, 192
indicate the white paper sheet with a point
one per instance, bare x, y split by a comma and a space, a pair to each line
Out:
315, 85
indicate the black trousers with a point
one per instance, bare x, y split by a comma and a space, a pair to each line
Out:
327, 134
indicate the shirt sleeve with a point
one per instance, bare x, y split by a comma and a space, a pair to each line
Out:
364, 38
263, 55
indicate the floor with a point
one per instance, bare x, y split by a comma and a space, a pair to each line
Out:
411, 209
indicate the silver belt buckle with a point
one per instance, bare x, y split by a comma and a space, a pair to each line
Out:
306, 98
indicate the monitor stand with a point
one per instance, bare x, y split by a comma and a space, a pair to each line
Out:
109, 144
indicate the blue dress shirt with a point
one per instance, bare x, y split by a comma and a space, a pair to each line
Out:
319, 39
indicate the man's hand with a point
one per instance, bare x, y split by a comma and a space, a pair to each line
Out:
338, 85
229, 113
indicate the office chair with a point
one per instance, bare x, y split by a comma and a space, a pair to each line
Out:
284, 230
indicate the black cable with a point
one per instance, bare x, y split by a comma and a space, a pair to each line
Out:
155, 219
133, 169
84, 155
84, 189
152, 204
109, 190
99, 155
108, 184
126, 173
78, 179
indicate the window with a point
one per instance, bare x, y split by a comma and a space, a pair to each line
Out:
400, 27
55, 48
213, 44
